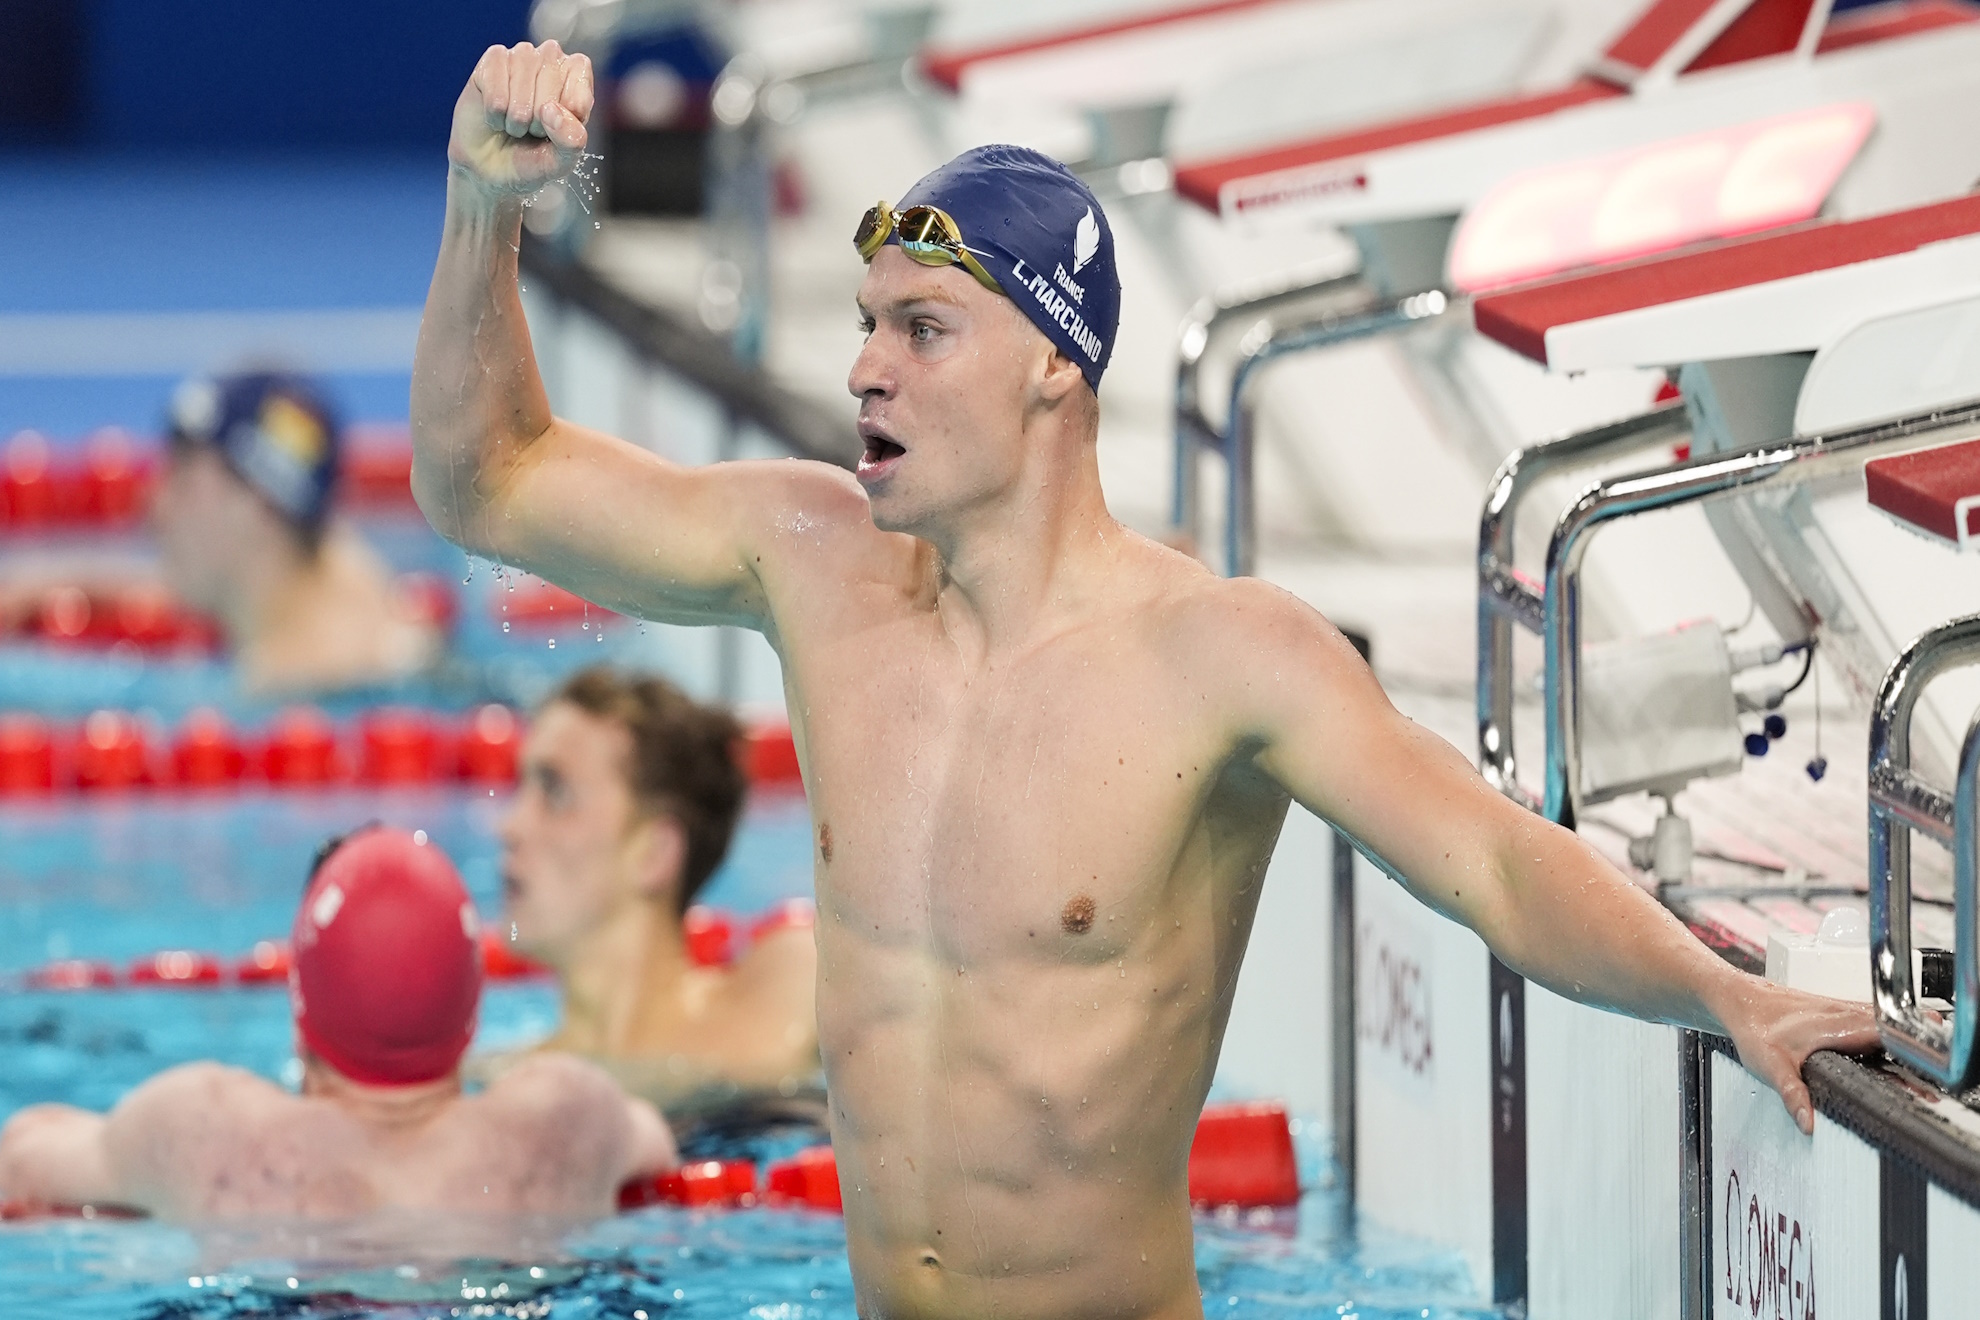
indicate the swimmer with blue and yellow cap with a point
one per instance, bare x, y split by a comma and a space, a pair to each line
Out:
1047, 758
246, 534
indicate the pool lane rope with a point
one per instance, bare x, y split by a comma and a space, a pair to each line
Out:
714, 938
301, 749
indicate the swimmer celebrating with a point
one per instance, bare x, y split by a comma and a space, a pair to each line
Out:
630, 792
385, 984
1047, 759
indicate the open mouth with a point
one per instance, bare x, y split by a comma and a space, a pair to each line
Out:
880, 453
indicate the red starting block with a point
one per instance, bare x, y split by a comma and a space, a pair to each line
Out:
1934, 491
698, 1183
811, 1177
1243, 1156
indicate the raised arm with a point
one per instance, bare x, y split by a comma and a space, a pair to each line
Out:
493, 469
1550, 906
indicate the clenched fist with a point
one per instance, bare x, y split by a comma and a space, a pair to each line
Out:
520, 121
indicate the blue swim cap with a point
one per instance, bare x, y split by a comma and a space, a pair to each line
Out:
1042, 234
276, 432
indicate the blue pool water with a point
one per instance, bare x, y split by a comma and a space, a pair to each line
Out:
115, 879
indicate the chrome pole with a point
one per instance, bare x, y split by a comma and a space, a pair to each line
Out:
1507, 597
1788, 462
1240, 502
1900, 802
1203, 323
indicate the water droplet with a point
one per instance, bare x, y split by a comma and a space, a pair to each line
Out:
505, 625
553, 643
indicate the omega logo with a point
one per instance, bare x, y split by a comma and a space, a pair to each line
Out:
1392, 1006
1770, 1256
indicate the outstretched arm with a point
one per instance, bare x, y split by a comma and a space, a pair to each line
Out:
1550, 906
493, 469
56, 1155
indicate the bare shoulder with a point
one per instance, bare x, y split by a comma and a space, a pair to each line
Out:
1259, 654
556, 1110
187, 1118
813, 518
201, 1092
1205, 615
550, 1085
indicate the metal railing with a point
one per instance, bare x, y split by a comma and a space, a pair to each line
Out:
1507, 597
1900, 803
1788, 462
750, 104
1364, 317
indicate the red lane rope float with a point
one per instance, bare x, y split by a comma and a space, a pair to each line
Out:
154, 621
1242, 1156
106, 481
267, 963
109, 478
301, 748
147, 618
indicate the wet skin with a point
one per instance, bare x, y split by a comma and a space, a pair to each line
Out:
203, 1143
1047, 759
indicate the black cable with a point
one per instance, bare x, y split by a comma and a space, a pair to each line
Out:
1807, 664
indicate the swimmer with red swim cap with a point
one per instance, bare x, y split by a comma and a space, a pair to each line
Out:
1047, 758
385, 985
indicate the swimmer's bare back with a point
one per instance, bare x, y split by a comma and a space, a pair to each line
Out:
206, 1143
1047, 759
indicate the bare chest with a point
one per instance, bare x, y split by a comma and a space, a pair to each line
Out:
1043, 804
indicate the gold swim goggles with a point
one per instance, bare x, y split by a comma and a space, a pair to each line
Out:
928, 235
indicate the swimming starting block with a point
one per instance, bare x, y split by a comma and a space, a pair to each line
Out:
1935, 492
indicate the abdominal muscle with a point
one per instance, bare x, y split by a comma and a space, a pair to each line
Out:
1014, 1093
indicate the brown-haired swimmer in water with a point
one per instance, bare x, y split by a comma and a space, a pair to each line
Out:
630, 794
1005, 700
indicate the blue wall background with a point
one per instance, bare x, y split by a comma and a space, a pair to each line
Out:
241, 73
